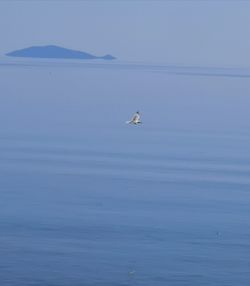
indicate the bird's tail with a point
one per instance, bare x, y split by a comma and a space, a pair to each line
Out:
127, 122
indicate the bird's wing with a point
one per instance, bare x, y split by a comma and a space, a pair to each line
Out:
136, 117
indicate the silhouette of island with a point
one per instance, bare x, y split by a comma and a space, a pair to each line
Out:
55, 52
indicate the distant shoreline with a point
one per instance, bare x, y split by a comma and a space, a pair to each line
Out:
55, 52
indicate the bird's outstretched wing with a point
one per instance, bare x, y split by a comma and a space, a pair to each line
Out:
136, 117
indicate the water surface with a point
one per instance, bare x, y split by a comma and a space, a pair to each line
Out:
87, 200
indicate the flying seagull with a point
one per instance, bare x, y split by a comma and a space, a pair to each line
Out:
135, 119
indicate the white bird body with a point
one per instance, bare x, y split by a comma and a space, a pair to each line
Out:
135, 119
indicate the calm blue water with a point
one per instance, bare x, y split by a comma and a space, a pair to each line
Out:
88, 200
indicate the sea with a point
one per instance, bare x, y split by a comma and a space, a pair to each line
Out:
88, 200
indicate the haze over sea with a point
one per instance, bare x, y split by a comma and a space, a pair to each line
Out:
87, 200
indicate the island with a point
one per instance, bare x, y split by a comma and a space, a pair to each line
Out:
55, 52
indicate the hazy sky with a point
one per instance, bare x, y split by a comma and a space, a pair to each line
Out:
175, 32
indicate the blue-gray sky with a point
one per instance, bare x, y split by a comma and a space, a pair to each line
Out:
175, 32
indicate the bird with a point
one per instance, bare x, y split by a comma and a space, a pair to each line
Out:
135, 119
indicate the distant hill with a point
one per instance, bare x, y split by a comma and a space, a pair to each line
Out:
55, 52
